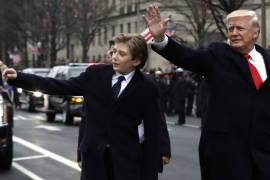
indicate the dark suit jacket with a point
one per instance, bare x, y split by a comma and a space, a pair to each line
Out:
165, 144
238, 117
111, 122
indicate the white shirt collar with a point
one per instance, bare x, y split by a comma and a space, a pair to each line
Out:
253, 53
128, 77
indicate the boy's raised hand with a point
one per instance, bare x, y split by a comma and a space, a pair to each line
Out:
7, 73
156, 24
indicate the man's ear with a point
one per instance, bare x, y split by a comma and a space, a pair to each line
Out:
256, 34
136, 62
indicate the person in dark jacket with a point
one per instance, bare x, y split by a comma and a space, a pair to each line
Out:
234, 142
117, 98
165, 145
180, 94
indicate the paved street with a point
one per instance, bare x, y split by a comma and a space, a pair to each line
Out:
47, 151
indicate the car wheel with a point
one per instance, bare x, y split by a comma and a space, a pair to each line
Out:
31, 107
50, 116
67, 116
7, 155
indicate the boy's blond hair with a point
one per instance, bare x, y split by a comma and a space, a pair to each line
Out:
136, 44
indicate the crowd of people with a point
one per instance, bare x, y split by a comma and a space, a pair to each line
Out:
182, 92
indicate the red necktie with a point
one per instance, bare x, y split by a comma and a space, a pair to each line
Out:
254, 72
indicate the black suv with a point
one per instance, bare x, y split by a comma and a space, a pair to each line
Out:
32, 98
6, 125
69, 106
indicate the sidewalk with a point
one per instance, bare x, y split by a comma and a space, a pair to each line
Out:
191, 121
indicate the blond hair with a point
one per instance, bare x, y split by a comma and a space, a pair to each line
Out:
246, 13
136, 44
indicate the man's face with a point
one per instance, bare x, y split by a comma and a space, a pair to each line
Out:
122, 59
241, 34
109, 55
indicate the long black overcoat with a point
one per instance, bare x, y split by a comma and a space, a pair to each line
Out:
111, 122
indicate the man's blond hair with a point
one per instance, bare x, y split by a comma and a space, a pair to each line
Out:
243, 13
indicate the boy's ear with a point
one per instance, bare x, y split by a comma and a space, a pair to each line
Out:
136, 62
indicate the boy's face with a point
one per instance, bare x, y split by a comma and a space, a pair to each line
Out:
122, 59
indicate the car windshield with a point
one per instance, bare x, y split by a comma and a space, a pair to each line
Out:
41, 73
76, 71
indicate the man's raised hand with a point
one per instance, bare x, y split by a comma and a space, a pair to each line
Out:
7, 73
156, 24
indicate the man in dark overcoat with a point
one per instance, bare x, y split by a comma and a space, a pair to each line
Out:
235, 139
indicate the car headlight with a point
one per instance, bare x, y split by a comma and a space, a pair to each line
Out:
20, 90
37, 94
77, 99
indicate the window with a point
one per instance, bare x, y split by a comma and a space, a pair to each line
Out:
105, 35
121, 28
136, 27
122, 6
114, 4
94, 58
129, 6
99, 37
94, 41
128, 28
99, 58
113, 30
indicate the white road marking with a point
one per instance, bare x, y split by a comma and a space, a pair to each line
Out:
18, 117
170, 123
186, 125
49, 128
43, 151
192, 126
26, 172
29, 157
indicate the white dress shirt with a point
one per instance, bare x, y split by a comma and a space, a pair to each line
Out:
162, 44
257, 60
124, 84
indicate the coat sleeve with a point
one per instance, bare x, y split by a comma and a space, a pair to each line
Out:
198, 61
31, 82
165, 143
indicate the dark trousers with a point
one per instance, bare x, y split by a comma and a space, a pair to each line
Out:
190, 99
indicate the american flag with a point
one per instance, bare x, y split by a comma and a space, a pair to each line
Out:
147, 36
16, 58
33, 49
171, 31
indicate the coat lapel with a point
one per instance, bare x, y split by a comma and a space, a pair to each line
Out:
107, 82
240, 61
266, 58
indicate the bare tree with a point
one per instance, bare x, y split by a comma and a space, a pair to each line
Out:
196, 20
10, 28
69, 23
219, 10
90, 19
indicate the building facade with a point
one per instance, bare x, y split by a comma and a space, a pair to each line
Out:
126, 18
